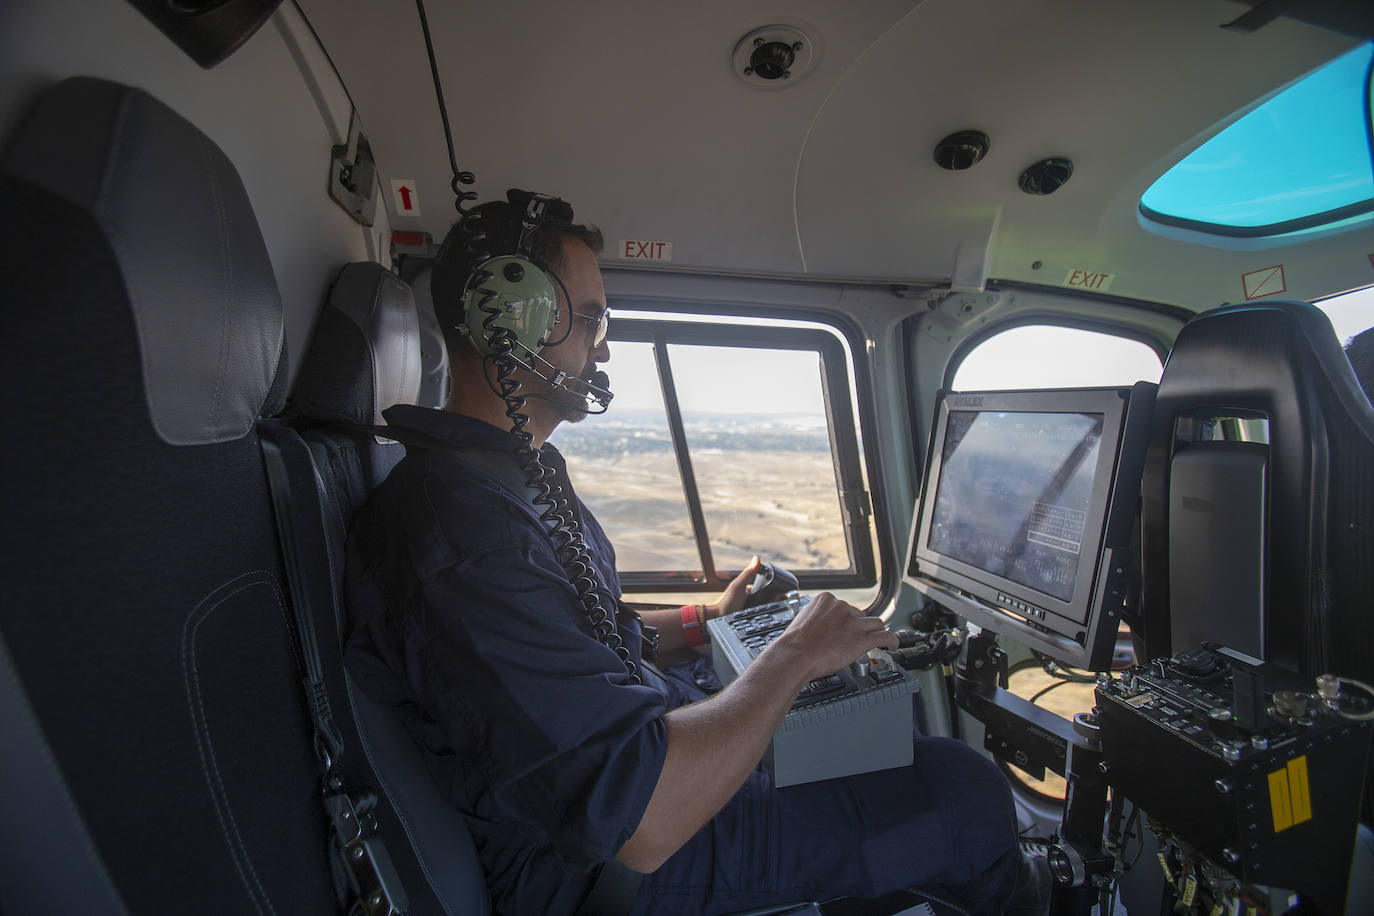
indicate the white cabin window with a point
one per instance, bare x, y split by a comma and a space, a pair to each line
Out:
720, 446
1052, 356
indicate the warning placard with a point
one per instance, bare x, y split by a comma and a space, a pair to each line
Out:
404, 198
646, 251
1089, 279
1268, 281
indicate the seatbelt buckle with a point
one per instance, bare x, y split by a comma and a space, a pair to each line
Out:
649, 643
376, 885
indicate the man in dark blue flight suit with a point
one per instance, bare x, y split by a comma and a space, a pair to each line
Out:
464, 617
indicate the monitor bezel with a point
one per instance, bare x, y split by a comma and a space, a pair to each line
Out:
1071, 631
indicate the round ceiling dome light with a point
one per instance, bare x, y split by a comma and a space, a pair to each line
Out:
774, 56
961, 150
1046, 176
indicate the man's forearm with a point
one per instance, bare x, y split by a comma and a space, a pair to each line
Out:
712, 747
668, 622
714, 744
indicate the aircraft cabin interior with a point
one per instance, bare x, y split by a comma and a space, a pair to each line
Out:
1021, 325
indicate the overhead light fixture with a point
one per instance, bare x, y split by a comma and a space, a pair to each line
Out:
774, 56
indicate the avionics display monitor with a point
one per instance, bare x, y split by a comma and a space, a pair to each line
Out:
1027, 512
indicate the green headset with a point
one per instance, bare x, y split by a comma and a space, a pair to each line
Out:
513, 291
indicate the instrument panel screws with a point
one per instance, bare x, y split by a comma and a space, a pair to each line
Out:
1104, 768
1230, 855
797, 46
1223, 786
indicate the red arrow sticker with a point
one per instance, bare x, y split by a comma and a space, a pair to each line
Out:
1268, 281
405, 199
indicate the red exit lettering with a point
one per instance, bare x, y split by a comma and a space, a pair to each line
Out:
1089, 279
646, 251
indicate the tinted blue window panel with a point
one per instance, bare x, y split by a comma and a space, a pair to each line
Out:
1300, 159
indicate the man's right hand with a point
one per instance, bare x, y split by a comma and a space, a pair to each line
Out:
713, 745
828, 634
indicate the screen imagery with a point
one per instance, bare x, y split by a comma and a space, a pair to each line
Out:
1014, 494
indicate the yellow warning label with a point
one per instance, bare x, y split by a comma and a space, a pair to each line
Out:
1164, 864
1290, 796
1189, 890
1217, 910
1298, 790
1278, 800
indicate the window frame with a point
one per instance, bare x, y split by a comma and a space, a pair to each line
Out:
856, 507
1047, 319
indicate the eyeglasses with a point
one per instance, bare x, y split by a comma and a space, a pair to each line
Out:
603, 321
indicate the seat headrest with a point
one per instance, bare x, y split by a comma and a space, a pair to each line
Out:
199, 281
365, 355
436, 378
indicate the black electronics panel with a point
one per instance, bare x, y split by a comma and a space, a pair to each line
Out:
1242, 763
1028, 513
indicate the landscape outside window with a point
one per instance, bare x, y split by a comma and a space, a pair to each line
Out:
757, 430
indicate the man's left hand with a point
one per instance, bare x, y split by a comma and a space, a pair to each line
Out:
736, 593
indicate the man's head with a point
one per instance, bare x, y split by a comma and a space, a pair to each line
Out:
567, 251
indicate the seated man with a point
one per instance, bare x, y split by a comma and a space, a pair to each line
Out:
539, 730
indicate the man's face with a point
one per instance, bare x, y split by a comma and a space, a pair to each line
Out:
578, 354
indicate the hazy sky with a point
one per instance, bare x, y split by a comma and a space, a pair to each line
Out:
757, 381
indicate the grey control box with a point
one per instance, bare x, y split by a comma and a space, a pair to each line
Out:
852, 721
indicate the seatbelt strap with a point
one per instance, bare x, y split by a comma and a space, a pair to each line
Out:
373, 887
613, 892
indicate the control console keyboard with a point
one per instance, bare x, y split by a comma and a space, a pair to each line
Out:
851, 721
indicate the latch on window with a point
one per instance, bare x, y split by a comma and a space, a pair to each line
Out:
855, 504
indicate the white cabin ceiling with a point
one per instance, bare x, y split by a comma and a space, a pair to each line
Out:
632, 113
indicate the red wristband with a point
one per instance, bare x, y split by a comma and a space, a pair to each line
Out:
693, 625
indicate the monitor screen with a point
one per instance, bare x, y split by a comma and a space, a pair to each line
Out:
1014, 494
1027, 511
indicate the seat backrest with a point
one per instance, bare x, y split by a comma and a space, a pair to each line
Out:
1263, 543
143, 603
365, 356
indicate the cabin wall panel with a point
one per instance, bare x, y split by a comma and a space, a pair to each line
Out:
275, 107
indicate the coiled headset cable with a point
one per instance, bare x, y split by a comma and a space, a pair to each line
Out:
570, 546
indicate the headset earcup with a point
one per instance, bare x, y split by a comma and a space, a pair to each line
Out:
512, 293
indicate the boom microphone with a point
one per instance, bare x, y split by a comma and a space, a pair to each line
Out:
597, 389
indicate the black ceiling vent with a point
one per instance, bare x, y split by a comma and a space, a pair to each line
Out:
772, 60
1046, 176
961, 150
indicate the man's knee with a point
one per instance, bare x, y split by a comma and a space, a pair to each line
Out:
978, 800
967, 772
